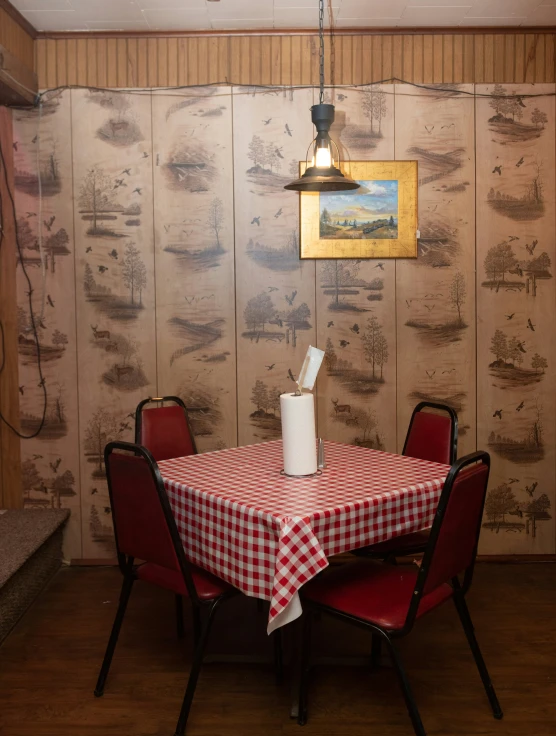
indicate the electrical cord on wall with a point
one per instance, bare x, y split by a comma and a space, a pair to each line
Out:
436, 88
42, 383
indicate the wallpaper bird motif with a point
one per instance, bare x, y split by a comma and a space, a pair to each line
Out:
163, 254
515, 303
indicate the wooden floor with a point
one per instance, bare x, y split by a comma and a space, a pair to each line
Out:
48, 667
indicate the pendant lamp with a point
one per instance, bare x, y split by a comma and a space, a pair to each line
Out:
322, 174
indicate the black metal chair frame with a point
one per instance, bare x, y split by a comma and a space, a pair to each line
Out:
138, 422
460, 590
161, 400
128, 569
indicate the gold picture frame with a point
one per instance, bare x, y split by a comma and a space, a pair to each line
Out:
398, 235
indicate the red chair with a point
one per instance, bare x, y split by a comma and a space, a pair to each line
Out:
145, 529
388, 600
431, 437
164, 430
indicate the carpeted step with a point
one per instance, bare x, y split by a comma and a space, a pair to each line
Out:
30, 554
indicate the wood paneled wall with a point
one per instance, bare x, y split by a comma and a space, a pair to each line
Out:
16, 39
141, 61
10, 474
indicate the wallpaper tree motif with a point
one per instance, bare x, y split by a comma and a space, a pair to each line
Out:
275, 291
515, 303
356, 300
43, 166
115, 294
163, 255
194, 247
435, 303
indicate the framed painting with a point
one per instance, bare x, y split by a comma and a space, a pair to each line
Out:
378, 220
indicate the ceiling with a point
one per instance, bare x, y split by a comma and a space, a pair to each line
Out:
225, 15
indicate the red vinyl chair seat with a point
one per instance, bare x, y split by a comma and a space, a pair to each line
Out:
208, 586
373, 592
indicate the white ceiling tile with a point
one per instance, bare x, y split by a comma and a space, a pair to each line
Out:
372, 8
297, 4
479, 22
502, 8
166, 4
543, 15
54, 15
229, 24
368, 22
437, 15
176, 19
300, 17
107, 10
429, 21
23, 5
241, 9
294, 23
55, 20
436, 3
117, 25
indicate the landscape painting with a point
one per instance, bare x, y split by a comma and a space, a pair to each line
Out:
368, 212
376, 220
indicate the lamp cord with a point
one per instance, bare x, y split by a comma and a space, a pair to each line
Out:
321, 50
332, 46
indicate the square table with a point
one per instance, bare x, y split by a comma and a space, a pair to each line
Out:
268, 534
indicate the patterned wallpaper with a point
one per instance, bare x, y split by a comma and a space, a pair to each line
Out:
163, 253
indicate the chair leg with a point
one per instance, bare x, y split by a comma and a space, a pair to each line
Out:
467, 624
406, 690
113, 640
278, 663
195, 670
304, 667
376, 651
179, 617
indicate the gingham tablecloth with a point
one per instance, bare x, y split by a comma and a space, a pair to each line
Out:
267, 534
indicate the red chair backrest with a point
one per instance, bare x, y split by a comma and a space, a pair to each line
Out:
456, 527
164, 431
430, 437
140, 523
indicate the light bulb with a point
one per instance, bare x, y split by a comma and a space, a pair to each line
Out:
323, 158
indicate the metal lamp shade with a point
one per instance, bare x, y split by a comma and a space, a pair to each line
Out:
322, 180
318, 178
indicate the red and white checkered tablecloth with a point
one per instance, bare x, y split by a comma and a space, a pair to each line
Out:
268, 534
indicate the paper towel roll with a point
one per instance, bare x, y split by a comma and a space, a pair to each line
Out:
298, 434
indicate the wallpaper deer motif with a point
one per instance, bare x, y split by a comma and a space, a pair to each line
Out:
163, 254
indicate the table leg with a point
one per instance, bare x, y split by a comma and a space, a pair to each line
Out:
295, 665
376, 662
